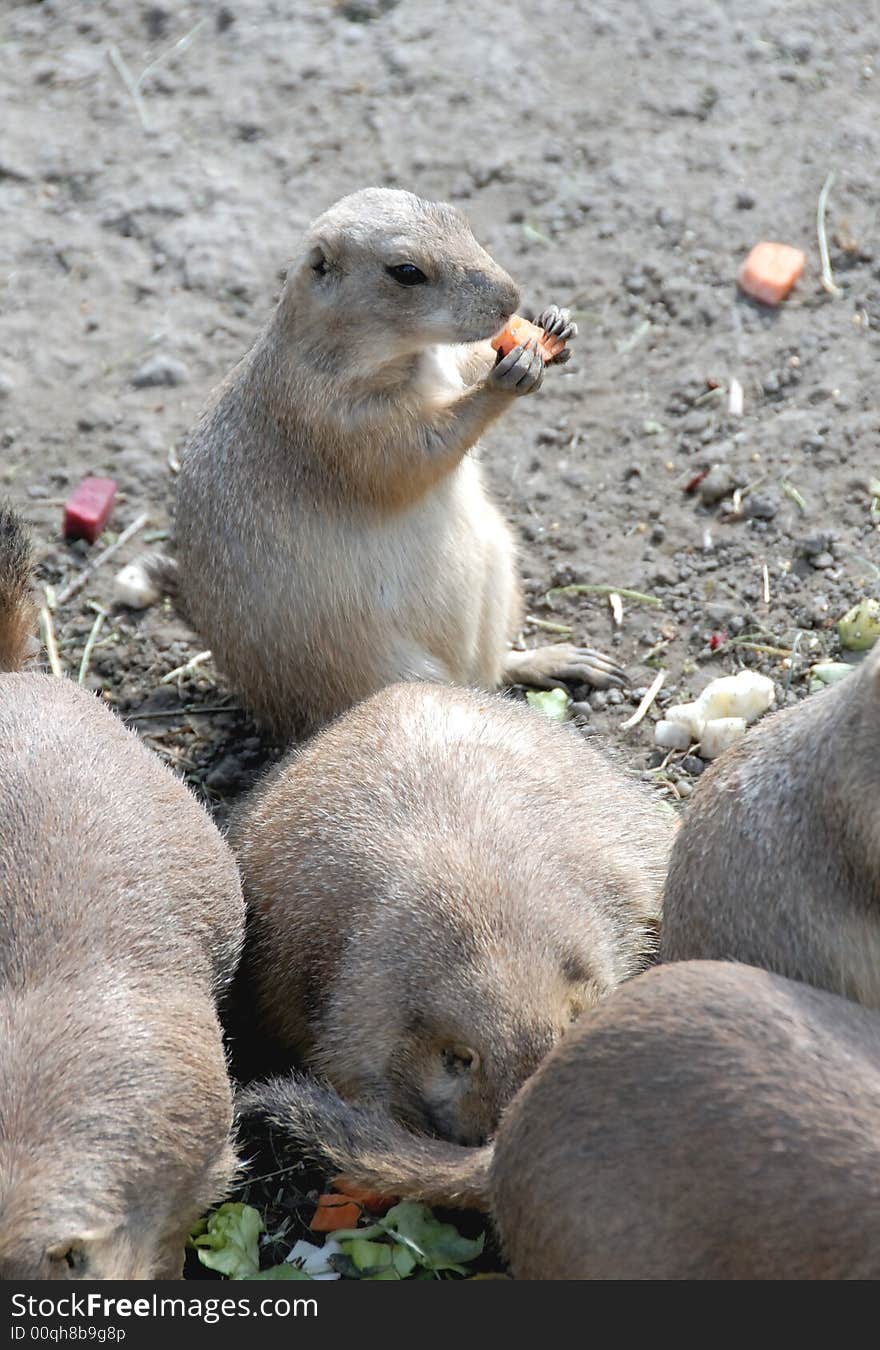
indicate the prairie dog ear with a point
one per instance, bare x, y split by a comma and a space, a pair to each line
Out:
320, 257
71, 1256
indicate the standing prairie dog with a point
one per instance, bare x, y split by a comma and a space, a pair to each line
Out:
438, 885
777, 863
708, 1121
121, 921
333, 534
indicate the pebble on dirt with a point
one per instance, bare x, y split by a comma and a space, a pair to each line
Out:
158, 371
133, 588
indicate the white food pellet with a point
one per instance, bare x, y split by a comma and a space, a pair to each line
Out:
747, 695
671, 736
133, 587
720, 734
689, 716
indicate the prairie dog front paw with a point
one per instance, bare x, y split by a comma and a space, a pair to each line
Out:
520, 371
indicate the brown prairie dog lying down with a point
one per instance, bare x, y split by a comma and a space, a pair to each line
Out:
333, 533
777, 862
438, 885
121, 921
708, 1121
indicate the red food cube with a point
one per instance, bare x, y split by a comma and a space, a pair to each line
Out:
87, 510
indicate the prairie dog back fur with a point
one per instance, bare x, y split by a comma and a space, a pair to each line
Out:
708, 1121
333, 535
777, 863
121, 921
438, 885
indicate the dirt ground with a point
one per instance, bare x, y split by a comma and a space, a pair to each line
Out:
158, 161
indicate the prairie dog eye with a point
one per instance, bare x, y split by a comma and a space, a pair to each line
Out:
459, 1059
407, 274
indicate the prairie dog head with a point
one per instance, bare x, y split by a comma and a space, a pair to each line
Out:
455, 1068
384, 270
460, 1023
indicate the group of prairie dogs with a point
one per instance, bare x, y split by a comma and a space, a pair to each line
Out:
452, 904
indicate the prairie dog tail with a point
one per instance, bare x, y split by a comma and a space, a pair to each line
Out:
18, 613
365, 1144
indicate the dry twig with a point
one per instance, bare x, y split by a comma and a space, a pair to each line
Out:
642, 709
77, 583
828, 282
47, 631
100, 616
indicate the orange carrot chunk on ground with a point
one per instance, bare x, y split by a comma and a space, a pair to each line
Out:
371, 1200
518, 331
770, 271
335, 1211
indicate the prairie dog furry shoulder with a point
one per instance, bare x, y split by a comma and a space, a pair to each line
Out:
777, 863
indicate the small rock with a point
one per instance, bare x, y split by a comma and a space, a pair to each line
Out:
599, 700
683, 787
799, 46
160, 370
719, 482
37, 491
615, 696
98, 416
761, 506
160, 698
581, 710
816, 614
156, 19
133, 587
822, 560
7, 384
693, 765
227, 774
695, 422
14, 172
814, 544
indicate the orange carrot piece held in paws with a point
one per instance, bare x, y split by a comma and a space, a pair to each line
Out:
333, 1212
518, 331
770, 271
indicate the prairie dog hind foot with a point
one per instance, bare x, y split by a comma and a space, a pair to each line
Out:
562, 663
